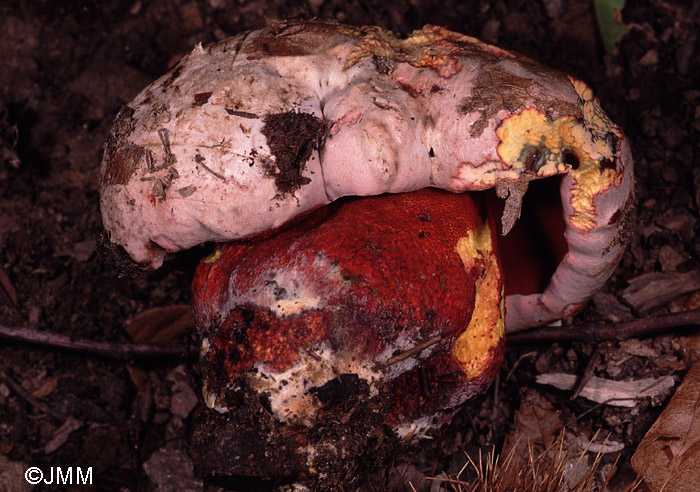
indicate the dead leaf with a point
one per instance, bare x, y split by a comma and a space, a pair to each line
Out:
669, 455
161, 324
157, 325
60, 436
677, 223
139, 377
651, 290
46, 388
610, 308
537, 422
606, 447
616, 393
401, 474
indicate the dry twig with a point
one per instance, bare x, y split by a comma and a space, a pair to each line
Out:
586, 332
599, 332
114, 350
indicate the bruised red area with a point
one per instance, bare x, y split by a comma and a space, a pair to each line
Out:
386, 277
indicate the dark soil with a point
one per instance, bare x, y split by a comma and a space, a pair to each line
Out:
67, 67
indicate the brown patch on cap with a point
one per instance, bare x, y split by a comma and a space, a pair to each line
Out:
242, 114
172, 77
201, 98
496, 89
297, 39
120, 158
292, 137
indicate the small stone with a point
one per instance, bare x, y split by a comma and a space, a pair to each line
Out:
12, 476
161, 417
161, 398
669, 258
554, 8
183, 400
172, 470
651, 57
669, 174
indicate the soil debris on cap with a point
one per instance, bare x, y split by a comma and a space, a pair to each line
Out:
292, 137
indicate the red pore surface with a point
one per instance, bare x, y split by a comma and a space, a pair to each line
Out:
365, 280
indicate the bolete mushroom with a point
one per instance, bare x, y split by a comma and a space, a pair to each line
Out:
250, 132
253, 133
327, 345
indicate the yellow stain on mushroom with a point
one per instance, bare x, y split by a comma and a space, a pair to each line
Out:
214, 255
593, 115
474, 347
532, 131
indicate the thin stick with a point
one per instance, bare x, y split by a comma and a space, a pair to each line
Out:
114, 350
413, 351
599, 332
586, 332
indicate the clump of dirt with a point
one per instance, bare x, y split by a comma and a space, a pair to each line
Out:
292, 137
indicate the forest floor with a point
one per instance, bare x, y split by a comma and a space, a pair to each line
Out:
67, 67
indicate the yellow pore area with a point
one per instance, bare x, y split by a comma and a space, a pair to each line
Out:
530, 130
474, 348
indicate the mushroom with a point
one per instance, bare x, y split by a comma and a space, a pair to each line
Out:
328, 346
246, 134
248, 139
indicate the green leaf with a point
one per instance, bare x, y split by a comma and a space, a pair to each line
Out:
610, 23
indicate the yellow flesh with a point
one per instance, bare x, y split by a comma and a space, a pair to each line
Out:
473, 348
